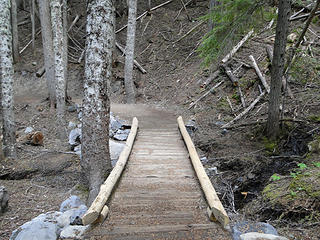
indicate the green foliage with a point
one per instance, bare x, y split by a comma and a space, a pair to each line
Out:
231, 19
316, 164
306, 69
275, 177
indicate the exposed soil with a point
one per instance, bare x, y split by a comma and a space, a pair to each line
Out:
43, 176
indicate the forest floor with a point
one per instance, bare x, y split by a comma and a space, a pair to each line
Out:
250, 168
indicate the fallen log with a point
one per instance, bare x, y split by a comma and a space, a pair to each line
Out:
40, 72
245, 111
211, 78
216, 210
237, 47
106, 188
134, 61
204, 95
262, 78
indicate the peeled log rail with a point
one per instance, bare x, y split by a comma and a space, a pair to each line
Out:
262, 78
216, 210
106, 188
236, 48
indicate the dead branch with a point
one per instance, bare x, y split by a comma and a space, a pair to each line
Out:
73, 22
190, 31
262, 78
145, 13
245, 111
185, 9
134, 61
304, 16
211, 78
235, 83
81, 56
230, 104
297, 13
28, 44
237, 47
206, 94
179, 12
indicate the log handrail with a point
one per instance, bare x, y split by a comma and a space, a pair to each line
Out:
216, 210
96, 208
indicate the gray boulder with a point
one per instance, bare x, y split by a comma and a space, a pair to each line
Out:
260, 236
115, 151
122, 135
42, 227
75, 137
248, 227
70, 203
73, 232
69, 216
4, 199
114, 125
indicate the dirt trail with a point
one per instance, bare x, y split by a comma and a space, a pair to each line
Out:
158, 196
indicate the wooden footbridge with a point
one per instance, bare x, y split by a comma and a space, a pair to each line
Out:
158, 195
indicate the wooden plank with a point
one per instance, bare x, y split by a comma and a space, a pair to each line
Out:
106, 188
213, 200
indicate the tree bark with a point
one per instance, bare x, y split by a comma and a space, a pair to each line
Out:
33, 27
15, 36
212, 4
44, 9
95, 162
59, 58
128, 68
65, 44
6, 77
278, 68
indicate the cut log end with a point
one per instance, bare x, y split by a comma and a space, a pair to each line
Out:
90, 217
215, 215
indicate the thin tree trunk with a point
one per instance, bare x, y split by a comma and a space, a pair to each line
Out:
65, 44
44, 10
128, 71
58, 48
277, 68
33, 28
95, 161
15, 36
6, 77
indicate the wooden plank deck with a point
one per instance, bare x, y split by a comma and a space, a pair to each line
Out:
158, 196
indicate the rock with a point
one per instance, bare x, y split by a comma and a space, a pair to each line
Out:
28, 130
4, 199
73, 232
42, 227
70, 203
122, 135
75, 137
114, 125
191, 126
204, 160
77, 150
72, 108
212, 171
69, 216
248, 227
72, 125
260, 236
115, 151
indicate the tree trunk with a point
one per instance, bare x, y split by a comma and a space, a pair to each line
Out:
277, 68
15, 38
95, 162
65, 44
128, 69
59, 57
44, 9
6, 77
33, 27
